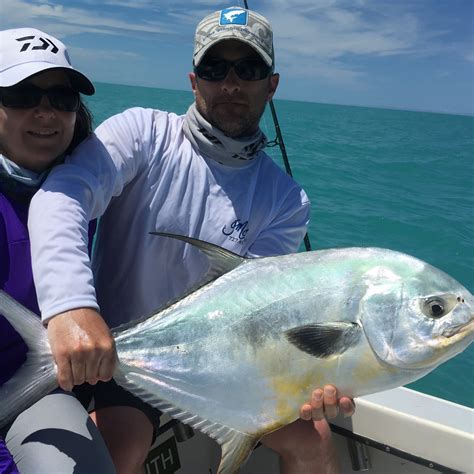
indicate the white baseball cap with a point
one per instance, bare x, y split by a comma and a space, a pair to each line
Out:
27, 51
234, 23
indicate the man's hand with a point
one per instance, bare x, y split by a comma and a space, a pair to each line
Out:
82, 346
307, 447
326, 404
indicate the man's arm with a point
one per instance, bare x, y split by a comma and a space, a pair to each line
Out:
73, 194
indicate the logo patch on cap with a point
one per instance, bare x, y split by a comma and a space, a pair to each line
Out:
233, 16
45, 43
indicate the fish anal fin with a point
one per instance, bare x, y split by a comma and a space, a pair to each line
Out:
235, 451
236, 446
324, 340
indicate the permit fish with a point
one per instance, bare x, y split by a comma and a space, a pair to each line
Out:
237, 357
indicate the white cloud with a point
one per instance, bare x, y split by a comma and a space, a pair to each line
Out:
60, 20
335, 32
86, 55
334, 39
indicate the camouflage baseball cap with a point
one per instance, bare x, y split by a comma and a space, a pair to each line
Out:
234, 23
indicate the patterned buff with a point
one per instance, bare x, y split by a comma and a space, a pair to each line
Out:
212, 143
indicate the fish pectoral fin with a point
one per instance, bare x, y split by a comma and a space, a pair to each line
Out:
323, 340
221, 260
235, 451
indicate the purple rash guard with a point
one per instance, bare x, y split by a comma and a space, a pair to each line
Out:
16, 279
7, 465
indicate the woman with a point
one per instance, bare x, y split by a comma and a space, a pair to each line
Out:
42, 118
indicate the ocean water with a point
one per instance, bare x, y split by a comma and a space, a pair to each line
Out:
387, 178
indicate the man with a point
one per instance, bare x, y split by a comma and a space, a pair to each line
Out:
203, 175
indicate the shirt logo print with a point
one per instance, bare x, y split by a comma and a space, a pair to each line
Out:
236, 231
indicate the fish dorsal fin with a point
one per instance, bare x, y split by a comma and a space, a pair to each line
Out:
220, 260
236, 446
323, 340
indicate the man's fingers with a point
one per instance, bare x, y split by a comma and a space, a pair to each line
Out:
107, 367
347, 406
325, 404
101, 365
330, 401
306, 412
64, 373
92, 370
78, 366
317, 404
83, 338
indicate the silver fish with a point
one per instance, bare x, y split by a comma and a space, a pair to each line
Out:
237, 357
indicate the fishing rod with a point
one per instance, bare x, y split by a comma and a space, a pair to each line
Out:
280, 142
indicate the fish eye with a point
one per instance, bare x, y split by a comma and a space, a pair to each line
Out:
436, 307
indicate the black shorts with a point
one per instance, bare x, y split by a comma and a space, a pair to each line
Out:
109, 394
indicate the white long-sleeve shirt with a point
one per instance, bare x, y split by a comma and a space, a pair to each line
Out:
141, 174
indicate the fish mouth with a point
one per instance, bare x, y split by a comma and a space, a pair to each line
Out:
460, 330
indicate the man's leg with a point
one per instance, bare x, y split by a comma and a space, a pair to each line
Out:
128, 434
127, 425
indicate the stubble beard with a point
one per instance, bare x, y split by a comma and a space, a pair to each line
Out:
233, 125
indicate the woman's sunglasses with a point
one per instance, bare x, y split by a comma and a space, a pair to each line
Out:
28, 96
246, 69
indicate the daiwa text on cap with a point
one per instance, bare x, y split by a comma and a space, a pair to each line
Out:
28, 51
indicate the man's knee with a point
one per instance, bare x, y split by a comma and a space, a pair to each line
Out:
128, 434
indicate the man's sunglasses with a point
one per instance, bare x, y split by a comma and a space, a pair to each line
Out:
28, 96
246, 69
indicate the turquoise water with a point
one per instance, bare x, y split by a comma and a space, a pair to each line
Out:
387, 178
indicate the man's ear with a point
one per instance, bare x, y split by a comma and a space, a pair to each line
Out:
273, 84
192, 78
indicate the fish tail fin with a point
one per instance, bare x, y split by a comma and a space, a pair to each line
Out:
37, 376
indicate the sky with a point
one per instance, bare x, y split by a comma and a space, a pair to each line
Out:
403, 54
